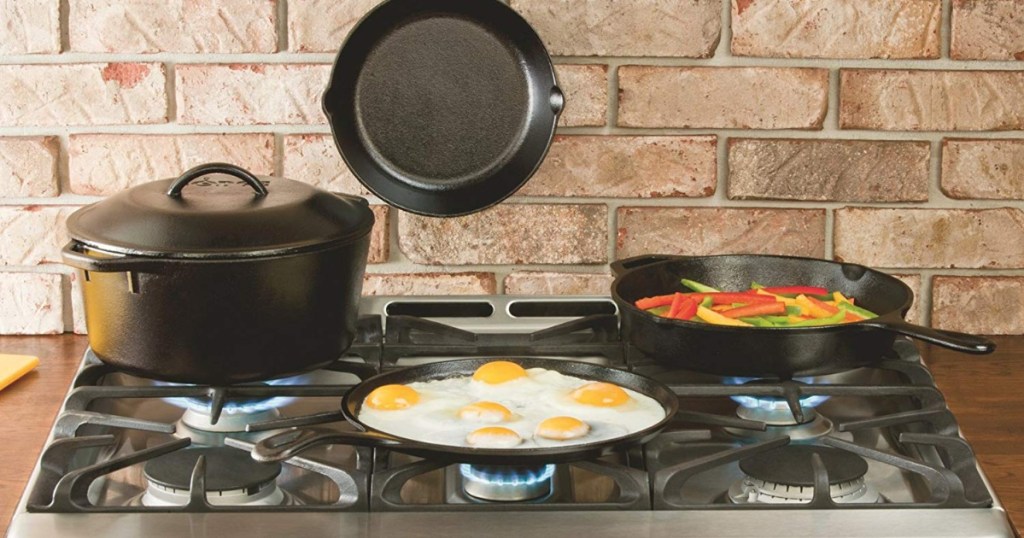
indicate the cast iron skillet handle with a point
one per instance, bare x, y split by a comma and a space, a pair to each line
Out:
216, 168
80, 260
293, 442
621, 266
967, 343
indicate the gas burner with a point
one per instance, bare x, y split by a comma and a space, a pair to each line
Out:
232, 479
774, 408
785, 475
506, 482
202, 421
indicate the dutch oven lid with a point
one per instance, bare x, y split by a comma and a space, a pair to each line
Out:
226, 212
443, 108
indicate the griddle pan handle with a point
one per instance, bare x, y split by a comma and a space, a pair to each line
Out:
293, 442
967, 343
621, 266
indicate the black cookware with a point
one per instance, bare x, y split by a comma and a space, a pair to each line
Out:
290, 443
233, 278
773, 351
443, 107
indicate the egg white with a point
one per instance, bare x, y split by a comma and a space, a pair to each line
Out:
540, 395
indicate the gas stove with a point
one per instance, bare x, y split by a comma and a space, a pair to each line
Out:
873, 451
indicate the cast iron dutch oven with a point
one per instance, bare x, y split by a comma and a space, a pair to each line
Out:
772, 352
235, 278
292, 442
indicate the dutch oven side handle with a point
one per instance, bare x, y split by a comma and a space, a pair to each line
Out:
80, 260
621, 266
216, 168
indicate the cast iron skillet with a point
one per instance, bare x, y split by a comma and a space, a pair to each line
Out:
444, 107
770, 352
287, 444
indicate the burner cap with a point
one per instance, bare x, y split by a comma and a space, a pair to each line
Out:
791, 465
227, 469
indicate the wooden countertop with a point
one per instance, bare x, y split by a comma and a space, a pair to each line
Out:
986, 393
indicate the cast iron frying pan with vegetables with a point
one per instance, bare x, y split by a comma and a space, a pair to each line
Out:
770, 352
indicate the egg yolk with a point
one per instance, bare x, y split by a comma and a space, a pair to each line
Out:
392, 398
600, 395
497, 372
562, 428
485, 412
494, 437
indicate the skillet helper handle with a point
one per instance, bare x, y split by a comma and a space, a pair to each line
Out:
966, 343
216, 168
293, 442
621, 266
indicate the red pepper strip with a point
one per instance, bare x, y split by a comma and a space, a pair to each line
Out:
687, 309
796, 290
730, 297
761, 309
677, 303
648, 303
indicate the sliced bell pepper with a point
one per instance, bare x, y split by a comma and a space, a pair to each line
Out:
659, 311
852, 318
706, 302
725, 297
814, 307
862, 312
722, 307
711, 316
697, 286
648, 303
677, 301
832, 320
755, 310
757, 322
796, 290
687, 309
788, 301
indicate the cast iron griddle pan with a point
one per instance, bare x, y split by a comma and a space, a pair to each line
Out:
444, 107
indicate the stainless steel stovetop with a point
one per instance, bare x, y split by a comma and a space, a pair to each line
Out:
870, 452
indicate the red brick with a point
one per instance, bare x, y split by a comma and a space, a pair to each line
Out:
627, 167
82, 94
102, 164
509, 234
315, 159
828, 170
983, 169
323, 25
379, 237
836, 28
31, 303
586, 94
28, 167
251, 94
978, 305
969, 238
30, 27
901, 100
987, 30
553, 283
722, 97
33, 235
704, 231
139, 26
625, 27
429, 284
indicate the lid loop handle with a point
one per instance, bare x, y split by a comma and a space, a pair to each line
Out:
216, 168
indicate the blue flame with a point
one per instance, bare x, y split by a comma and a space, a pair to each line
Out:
773, 403
244, 406
508, 476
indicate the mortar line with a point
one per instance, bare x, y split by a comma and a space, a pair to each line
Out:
946, 29
64, 20
282, 26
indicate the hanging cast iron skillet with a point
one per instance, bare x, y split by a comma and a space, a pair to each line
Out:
775, 352
290, 443
445, 107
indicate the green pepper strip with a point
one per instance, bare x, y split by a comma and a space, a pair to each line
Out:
659, 310
862, 312
831, 320
707, 302
825, 298
697, 286
758, 321
778, 320
793, 310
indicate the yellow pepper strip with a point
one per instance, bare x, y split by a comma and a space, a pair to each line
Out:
809, 307
786, 300
711, 316
797, 319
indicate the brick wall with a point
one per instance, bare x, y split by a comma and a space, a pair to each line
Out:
885, 132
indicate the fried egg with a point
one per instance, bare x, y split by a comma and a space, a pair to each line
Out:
540, 407
494, 437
